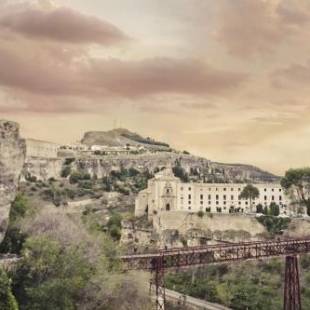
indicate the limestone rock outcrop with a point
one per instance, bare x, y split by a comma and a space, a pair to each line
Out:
12, 157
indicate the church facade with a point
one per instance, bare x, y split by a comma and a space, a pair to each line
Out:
165, 192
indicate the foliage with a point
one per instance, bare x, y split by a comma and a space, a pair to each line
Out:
49, 272
65, 171
114, 226
298, 180
65, 266
249, 192
148, 140
179, 172
7, 299
274, 209
200, 214
274, 225
14, 237
252, 286
259, 208
76, 176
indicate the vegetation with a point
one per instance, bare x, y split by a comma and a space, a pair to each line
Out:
244, 286
179, 172
7, 299
66, 265
14, 237
148, 140
249, 192
274, 225
298, 181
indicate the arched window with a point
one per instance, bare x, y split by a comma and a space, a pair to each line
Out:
168, 207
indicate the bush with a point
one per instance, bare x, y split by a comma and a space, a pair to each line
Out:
65, 171
7, 299
200, 214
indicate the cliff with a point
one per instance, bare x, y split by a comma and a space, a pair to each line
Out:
12, 157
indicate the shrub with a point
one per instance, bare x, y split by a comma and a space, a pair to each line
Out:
200, 214
65, 171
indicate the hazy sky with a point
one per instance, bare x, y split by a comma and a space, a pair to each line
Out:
227, 79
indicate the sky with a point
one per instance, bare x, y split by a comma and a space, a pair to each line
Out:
226, 79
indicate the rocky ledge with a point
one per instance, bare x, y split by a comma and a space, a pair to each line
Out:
12, 157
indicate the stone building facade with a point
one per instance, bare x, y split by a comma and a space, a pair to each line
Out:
41, 149
165, 192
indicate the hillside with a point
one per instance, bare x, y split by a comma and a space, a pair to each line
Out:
120, 137
217, 172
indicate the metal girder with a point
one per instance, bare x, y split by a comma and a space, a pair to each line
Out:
291, 286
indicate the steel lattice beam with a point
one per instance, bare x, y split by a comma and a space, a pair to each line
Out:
177, 258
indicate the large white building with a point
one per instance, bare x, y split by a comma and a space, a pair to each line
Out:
166, 192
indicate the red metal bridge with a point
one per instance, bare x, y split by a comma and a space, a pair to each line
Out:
178, 258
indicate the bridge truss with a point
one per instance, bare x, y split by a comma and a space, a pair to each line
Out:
178, 258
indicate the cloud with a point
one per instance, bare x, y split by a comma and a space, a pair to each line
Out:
162, 75
294, 74
59, 24
249, 28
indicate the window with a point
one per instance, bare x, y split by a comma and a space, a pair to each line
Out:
232, 189
189, 188
168, 207
209, 202
224, 189
224, 197
209, 197
272, 190
216, 188
217, 202
246, 203
216, 197
232, 197
239, 202
201, 202
201, 196
280, 197
224, 202
168, 191
280, 190
239, 189
265, 189
189, 202
189, 196
272, 198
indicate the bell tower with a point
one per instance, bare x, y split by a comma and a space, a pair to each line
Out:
168, 197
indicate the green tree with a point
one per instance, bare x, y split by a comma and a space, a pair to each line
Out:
274, 209
249, 192
298, 181
14, 238
49, 276
7, 299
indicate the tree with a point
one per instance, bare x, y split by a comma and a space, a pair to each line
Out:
249, 192
274, 209
7, 299
297, 181
259, 208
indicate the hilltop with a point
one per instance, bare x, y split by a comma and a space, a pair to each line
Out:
120, 137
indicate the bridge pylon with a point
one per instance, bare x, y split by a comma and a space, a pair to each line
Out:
291, 287
159, 282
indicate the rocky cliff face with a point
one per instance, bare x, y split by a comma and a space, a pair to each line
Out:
12, 156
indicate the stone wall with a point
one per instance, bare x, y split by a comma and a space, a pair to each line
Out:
41, 149
42, 168
176, 226
12, 156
